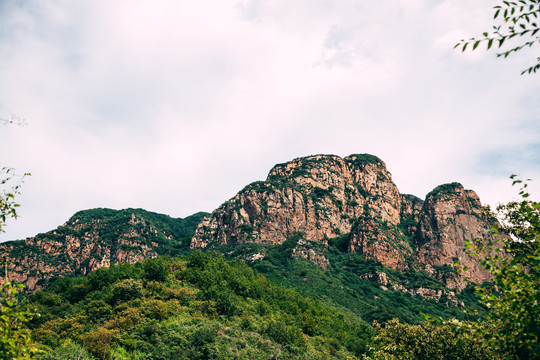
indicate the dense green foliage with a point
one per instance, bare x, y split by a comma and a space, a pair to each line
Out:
396, 341
203, 308
350, 282
15, 340
513, 299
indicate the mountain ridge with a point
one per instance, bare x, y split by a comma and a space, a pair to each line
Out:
95, 238
326, 196
315, 199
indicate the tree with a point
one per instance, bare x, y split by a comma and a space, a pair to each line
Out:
513, 301
156, 269
520, 19
15, 340
10, 184
428, 341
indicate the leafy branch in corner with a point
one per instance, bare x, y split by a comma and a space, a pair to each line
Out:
520, 19
10, 183
15, 338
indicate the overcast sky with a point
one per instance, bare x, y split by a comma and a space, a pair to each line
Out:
174, 106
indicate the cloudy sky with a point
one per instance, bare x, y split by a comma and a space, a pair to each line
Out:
174, 106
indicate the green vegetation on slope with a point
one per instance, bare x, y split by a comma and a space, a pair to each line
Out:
351, 284
111, 223
201, 307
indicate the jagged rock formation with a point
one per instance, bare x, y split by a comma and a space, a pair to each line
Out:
313, 200
92, 239
433, 294
325, 196
450, 216
321, 196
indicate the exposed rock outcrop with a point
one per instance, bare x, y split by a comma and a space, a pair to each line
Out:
449, 297
92, 239
320, 196
325, 196
450, 216
315, 199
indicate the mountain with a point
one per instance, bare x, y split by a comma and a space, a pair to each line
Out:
95, 238
325, 197
334, 229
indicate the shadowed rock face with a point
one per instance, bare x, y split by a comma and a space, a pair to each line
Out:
450, 216
325, 196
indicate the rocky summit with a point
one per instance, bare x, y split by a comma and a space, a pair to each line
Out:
94, 238
311, 201
325, 196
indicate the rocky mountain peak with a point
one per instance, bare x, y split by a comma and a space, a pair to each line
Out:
451, 216
320, 196
325, 196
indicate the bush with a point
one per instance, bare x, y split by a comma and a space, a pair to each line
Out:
15, 340
126, 290
156, 269
69, 351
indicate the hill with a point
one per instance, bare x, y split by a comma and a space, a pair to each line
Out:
335, 229
95, 238
199, 307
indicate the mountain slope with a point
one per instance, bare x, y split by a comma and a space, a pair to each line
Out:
200, 307
323, 197
323, 209
91, 239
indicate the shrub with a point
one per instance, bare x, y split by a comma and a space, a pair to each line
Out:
126, 290
156, 269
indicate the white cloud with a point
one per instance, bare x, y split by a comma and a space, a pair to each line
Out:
174, 106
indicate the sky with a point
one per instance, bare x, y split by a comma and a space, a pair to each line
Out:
174, 106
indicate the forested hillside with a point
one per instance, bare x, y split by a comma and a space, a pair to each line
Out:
326, 259
198, 308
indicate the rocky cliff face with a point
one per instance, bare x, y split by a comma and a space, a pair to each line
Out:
314, 200
93, 239
325, 196
450, 216
321, 196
